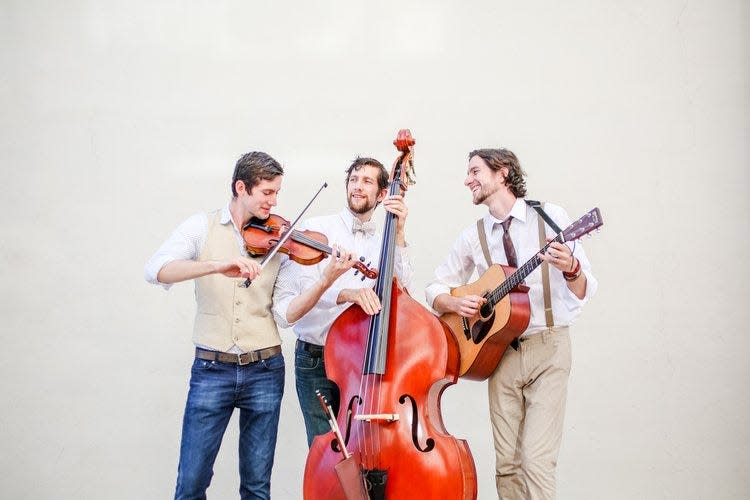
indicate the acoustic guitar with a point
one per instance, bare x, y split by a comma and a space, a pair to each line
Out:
483, 339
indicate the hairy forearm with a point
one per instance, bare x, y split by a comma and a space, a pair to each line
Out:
182, 270
578, 286
444, 303
304, 302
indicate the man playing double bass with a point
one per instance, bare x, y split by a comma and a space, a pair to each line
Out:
528, 389
311, 297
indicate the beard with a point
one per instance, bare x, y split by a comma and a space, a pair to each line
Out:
483, 193
361, 205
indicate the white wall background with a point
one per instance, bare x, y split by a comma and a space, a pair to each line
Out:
120, 119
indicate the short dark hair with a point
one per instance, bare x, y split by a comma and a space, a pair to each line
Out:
253, 167
499, 158
360, 162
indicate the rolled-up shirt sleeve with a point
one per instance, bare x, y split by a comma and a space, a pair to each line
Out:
185, 243
293, 278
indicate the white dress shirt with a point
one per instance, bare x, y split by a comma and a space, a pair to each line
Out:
293, 278
466, 256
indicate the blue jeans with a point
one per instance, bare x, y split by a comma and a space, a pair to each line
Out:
310, 374
216, 389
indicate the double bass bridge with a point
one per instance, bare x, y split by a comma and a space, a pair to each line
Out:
378, 418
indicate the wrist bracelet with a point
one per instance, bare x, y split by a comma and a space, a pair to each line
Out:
574, 274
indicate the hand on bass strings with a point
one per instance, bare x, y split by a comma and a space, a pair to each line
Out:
340, 262
366, 298
395, 204
559, 256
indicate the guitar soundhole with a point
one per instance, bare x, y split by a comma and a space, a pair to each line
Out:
486, 311
481, 328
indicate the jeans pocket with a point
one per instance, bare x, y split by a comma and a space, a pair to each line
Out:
303, 361
202, 365
274, 362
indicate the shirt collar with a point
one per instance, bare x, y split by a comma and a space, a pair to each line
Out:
226, 215
517, 211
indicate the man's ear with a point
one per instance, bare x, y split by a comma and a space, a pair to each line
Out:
504, 172
239, 186
381, 195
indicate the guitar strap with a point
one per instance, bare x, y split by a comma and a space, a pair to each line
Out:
543, 217
483, 242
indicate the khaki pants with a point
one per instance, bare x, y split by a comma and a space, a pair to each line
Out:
527, 394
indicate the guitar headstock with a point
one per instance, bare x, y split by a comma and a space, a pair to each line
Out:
583, 226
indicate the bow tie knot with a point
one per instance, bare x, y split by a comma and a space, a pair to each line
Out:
367, 228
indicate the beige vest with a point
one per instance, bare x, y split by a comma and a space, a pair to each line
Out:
227, 313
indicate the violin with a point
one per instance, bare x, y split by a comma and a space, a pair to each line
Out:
304, 247
391, 370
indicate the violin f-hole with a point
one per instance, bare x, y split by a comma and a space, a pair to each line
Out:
429, 443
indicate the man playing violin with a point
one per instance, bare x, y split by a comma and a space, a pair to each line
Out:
309, 298
527, 390
238, 361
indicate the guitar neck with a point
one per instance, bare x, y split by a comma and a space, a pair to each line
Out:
519, 275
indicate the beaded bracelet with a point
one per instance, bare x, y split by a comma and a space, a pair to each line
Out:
574, 274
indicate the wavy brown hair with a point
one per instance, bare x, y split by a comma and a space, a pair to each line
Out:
253, 167
361, 161
499, 158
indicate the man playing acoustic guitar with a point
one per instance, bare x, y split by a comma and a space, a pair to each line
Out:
527, 390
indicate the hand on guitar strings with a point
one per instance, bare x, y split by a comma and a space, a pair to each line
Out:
468, 305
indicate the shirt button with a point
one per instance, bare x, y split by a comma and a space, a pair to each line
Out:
237, 303
236, 320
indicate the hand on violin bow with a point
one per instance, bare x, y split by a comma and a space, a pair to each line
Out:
340, 262
396, 205
239, 267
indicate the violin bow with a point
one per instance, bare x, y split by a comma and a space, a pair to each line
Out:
286, 235
332, 422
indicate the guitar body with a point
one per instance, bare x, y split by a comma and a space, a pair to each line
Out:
482, 340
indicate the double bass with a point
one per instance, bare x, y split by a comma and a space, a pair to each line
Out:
391, 370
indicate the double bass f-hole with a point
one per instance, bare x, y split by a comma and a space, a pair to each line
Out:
429, 443
355, 400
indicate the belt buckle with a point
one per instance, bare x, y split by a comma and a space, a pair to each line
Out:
249, 359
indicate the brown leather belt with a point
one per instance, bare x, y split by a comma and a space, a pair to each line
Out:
238, 359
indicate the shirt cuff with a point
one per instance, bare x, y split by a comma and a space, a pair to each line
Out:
151, 272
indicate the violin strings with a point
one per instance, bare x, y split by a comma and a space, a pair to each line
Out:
301, 238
